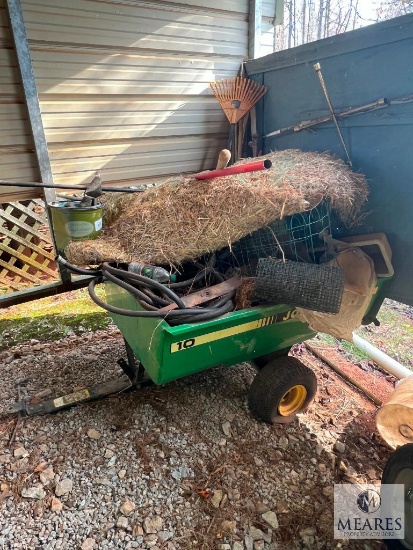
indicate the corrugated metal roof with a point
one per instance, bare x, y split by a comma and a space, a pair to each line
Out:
124, 86
17, 160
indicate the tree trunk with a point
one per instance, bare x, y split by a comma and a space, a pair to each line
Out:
310, 11
355, 15
320, 20
290, 22
327, 18
303, 21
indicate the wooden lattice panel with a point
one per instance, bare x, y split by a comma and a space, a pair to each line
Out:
26, 247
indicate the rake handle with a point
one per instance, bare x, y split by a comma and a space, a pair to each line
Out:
231, 137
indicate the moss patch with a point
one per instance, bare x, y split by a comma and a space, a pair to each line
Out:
51, 318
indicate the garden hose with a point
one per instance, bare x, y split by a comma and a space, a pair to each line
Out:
78, 270
144, 290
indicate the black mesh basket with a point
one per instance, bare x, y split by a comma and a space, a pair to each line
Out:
315, 287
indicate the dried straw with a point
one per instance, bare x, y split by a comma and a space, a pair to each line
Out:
184, 218
244, 294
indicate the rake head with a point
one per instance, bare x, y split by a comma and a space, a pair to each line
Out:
237, 96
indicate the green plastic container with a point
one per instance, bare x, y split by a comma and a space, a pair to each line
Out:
74, 223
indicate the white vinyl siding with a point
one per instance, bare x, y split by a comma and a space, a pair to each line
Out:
124, 85
17, 160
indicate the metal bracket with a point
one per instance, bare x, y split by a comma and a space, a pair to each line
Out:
135, 372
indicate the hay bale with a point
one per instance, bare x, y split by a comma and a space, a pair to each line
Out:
184, 218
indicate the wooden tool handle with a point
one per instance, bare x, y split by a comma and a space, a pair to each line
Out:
223, 159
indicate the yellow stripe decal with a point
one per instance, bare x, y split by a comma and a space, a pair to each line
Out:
71, 398
226, 332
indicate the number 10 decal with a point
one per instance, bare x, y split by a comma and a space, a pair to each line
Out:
185, 344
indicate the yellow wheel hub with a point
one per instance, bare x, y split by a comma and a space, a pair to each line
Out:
292, 400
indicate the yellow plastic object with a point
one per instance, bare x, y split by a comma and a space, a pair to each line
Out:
292, 400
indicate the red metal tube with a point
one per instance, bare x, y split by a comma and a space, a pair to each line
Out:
238, 169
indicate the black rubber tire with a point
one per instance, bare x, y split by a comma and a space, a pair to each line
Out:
273, 381
401, 459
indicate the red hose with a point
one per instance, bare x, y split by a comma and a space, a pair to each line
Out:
238, 169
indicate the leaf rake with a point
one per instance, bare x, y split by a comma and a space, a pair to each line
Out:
237, 96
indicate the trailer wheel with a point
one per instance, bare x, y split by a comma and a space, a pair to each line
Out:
399, 469
281, 390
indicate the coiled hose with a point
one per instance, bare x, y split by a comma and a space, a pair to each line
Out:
144, 290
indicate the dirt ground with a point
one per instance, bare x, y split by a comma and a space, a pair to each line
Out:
188, 456
191, 464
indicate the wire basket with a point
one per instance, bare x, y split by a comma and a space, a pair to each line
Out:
311, 286
296, 238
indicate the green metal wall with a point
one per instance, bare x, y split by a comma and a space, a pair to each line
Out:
358, 67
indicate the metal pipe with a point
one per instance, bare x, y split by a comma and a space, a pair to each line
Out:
28, 85
379, 104
382, 359
317, 68
77, 187
305, 124
238, 169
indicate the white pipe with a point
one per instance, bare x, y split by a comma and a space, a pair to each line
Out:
382, 359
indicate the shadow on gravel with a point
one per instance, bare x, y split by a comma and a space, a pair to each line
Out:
195, 441
297, 461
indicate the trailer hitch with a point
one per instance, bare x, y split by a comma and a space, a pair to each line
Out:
133, 378
87, 394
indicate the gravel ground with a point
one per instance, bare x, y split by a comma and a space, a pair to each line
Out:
174, 467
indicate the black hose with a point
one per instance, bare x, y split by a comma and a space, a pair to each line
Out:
148, 299
190, 315
62, 261
188, 282
223, 300
147, 306
141, 296
201, 275
111, 273
155, 298
224, 305
208, 316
